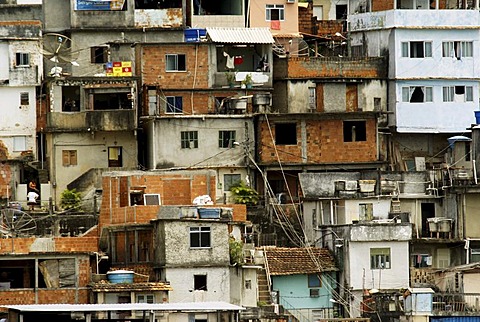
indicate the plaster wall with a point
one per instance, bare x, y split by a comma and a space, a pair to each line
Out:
181, 280
244, 286
334, 97
18, 120
25, 75
381, 208
287, 26
298, 96
92, 152
472, 204
363, 277
178, 252
167, 151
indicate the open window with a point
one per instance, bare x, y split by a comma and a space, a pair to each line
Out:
158, 4
354, 131
70, 98
417, 94
286, 133
110, 98
115, 156
200, 282
215, 7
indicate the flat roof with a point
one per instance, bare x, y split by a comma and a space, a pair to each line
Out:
192, 306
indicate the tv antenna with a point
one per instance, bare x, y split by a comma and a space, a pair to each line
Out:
16, 223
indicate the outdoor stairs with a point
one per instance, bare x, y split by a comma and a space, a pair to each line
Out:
263, 290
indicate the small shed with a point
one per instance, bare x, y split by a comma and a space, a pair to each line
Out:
419, 301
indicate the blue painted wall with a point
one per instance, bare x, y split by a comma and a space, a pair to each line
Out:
295, 291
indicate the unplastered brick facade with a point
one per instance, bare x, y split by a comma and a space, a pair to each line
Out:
57, 244
324, 143
153, 66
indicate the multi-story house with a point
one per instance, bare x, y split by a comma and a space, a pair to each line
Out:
21, 70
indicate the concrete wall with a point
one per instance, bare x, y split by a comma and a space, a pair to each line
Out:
92, 152
363, 277
166, 150
181, 280
472, 204
381, 208
176, 236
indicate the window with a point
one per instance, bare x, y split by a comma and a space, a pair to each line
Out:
417, 49
318, 12
248, 284
199, 237
145, 298
312, 98
314, 280
22, 59
226, 139
99, 55
354, 131
175, 63
457, 49
286, 133
458, 94
200, 282
19, 143
189, 139
69, 157
152, 102
420, 260
379, 258
24, 99
230, 180
115, 156
151, 199
366, 211
468, 152
417, 94
174, 104
275, 12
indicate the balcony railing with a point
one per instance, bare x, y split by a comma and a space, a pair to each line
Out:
456, 304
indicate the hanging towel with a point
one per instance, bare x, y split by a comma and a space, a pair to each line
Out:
230, 64
275, 24
238, 60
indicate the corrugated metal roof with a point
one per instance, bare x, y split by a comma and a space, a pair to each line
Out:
197, 306
241, 35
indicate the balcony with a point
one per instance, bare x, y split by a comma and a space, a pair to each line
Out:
102, 120
460, 304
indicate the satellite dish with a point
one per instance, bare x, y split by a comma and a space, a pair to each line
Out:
58, 49
16, 223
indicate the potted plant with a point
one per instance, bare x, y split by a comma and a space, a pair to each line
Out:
230, 76
247, 81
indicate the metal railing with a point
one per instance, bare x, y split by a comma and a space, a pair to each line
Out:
447, 303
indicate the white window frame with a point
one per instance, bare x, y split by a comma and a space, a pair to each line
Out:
146, 298
382, 260
152, 199
457, 49
22, 59
312, 98
270, 7
449, 95
406, 51
175, 67
408, 90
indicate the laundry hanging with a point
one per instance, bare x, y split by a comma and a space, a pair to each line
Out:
238, 60
230, 61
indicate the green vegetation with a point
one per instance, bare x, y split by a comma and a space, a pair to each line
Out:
70, 199
243, 194
236, 251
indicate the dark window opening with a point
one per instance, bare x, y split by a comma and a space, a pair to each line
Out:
226, 139
214, 7
158, 4
417, 96
71, 98
111, 101
468, 154
99, 55
174, 104
175, 63
24, 98
314, 280
200, 282
354, 131
18, 274
199, 237
459, 90
416, 49
286, 133
341, 11
22, 59
139, 249
136, 196
115, 157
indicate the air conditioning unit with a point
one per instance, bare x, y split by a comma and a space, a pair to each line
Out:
314, 292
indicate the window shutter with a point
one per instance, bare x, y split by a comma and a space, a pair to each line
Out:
65, 157
73, 157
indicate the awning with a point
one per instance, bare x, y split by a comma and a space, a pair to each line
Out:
240, 35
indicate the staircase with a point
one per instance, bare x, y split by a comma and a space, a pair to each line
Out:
263, 288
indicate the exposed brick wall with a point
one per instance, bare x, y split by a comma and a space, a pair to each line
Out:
153, 66
305, 16
325, 144
381, 5
61, 296
328, 28
61, 244
336, 67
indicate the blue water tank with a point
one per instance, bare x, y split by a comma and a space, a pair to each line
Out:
194, 34
120, 276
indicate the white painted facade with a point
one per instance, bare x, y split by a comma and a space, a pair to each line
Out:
355, 209
421, 47
362, 276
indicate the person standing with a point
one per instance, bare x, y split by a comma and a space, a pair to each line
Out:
32, 197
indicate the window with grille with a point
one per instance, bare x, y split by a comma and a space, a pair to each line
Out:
189, 139
24, 98
230, 180
226, 139
175, 63
145, 298
380, 258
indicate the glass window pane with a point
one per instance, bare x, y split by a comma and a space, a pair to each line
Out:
404, 49
428, 94
428, 49
405, 94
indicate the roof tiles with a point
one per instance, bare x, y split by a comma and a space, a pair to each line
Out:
290, 261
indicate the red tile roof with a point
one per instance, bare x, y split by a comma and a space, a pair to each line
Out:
104, 286
290, 261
